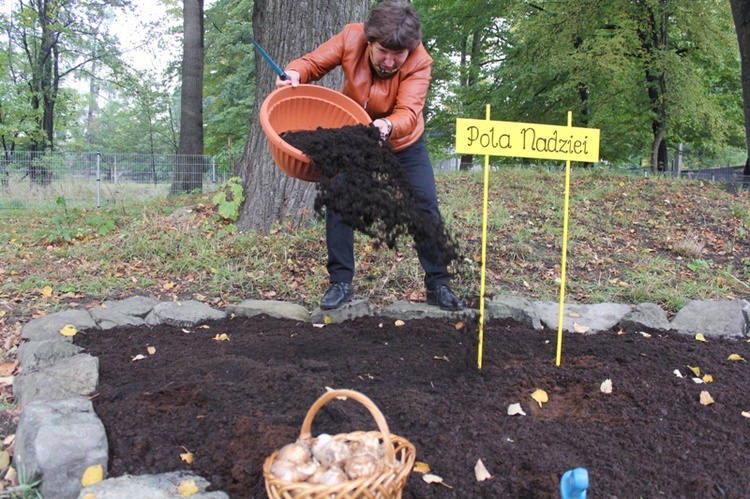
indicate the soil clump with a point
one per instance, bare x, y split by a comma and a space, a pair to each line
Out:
362, 180
232, 403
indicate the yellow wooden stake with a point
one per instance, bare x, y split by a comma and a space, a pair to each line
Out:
484, 250
564, 255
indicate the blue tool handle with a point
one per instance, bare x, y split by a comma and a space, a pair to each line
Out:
270, 61
574, 484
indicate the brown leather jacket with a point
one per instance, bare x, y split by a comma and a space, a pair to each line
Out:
399, 98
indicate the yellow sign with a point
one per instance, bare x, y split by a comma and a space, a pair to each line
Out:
526, 140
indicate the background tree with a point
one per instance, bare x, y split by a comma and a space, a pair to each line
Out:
286, 30
741, 15
188, 175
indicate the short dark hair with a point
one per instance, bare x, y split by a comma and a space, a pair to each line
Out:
394, 25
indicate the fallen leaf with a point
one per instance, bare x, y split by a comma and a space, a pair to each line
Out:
89, 495
7, 368
580, 329
645, 335
9, 439
444, 357
169, 285
480, 471
7, 380
186, 331
708, 378
187, 487
319, 325
696, 370
421, 467
4, 459
606, 386
69, 330
515, 409
697, 381
677, 373
47, 291
460, 325
706, 398
204, 326
700, 337
620, 332
574, 315
429, 478
735, 357
399, 323
342, 397
221, 337
140, 356
187, 456
327, 320
746, 414
540, 396
151, 350
92, 475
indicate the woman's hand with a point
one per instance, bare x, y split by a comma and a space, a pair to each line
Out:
293, 79
384, 126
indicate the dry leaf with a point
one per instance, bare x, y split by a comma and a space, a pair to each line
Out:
677, 373
708, 378
187, 487
580, 329
47, 291
480, 471
92, 475
700, 337
399, 323
341, 397
696, 370
319, 325
4, 459
186, 331
429, 478
515, 409
327, 320
221, 337
540, 396
169, 285
421, 467
140, 356
574, 315
7, 368
746, 414
151, 350
187, 456
460, 325
735, 357
606, 386
89, 495
7, 380
697, 381
645, 335
69, 330
621, 332
204, 326
706, 398
444, 357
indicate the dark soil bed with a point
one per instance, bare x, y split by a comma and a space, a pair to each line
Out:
232, 403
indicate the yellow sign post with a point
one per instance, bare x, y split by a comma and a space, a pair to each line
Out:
526, 140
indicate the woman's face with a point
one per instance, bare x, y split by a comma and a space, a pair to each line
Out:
386, 59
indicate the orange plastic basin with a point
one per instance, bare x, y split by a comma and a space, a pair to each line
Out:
305, 107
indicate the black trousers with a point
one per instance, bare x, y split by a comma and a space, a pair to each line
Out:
340, 236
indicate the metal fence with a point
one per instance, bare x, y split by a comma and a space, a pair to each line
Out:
89, 179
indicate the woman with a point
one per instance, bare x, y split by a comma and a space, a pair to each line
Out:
387, 70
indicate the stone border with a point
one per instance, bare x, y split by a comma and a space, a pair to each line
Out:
59, 435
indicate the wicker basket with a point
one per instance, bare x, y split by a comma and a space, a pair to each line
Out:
399, 460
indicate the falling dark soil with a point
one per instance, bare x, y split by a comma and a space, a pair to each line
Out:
232, 403
362, 179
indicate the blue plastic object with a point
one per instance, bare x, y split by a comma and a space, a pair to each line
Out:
574, 483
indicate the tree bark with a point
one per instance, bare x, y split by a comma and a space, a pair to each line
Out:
189, 165
741, 15
286, 30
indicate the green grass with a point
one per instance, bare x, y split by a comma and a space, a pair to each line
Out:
630, 239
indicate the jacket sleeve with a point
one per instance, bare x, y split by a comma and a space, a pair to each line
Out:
410, 101
316, 64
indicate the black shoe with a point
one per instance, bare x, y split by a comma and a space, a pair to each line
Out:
338, 294
442, 296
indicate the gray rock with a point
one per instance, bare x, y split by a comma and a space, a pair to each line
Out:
513, 307
188, 313
136, 306
598, 317
48, 327
646, 316
278, 309
347, 312
109, 319
58, 441
40, 354
717, 319
407, 311
162, 486
69, 377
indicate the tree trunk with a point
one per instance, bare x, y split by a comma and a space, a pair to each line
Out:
286, 30
741, 15
189, 165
